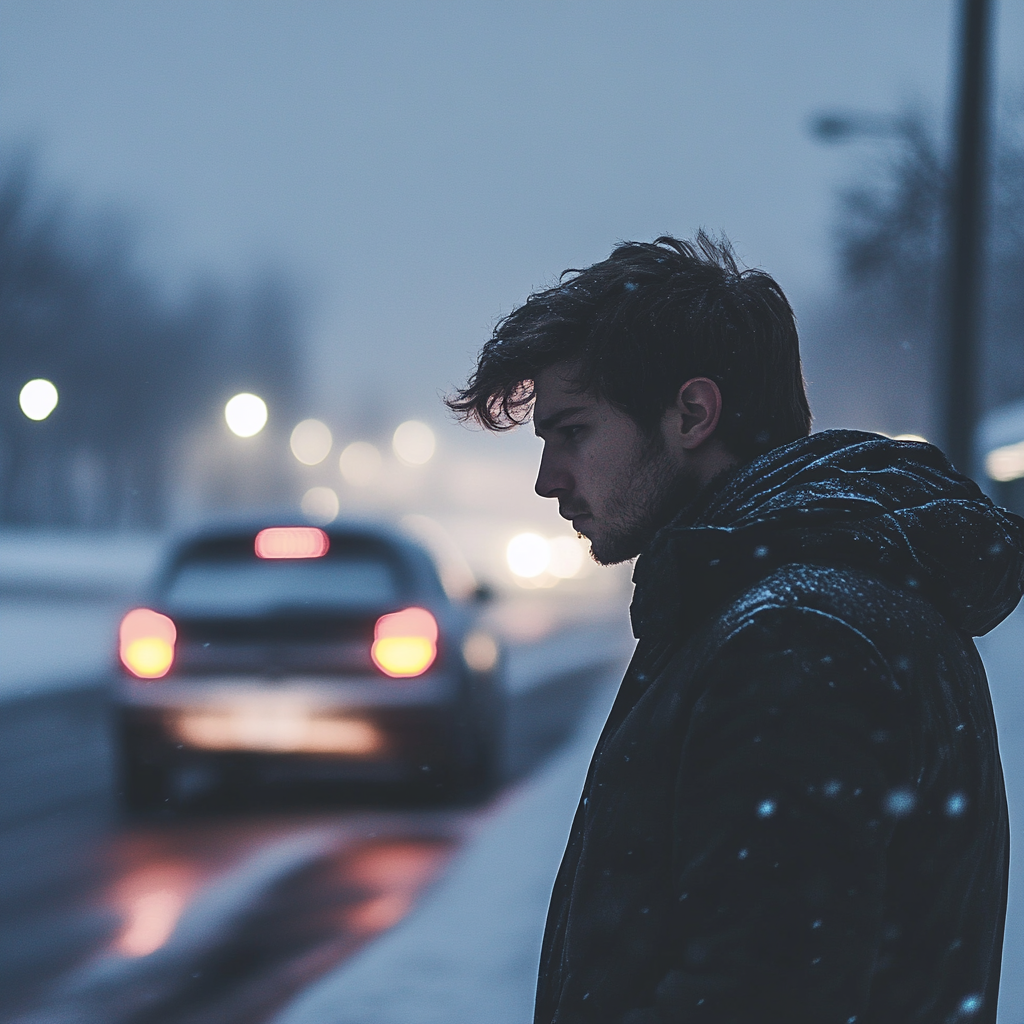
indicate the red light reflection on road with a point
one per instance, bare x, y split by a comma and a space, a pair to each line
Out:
392, 874
373, 884
354, 876
158, 871
149, 902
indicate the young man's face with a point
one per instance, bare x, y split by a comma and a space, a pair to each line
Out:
617, 486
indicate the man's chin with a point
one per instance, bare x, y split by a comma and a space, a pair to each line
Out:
613, 550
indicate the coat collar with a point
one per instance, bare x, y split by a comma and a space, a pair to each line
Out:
839, 498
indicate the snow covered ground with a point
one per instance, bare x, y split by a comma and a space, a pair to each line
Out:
61, 595
469, 953
1003, 651
67, 564
55, 645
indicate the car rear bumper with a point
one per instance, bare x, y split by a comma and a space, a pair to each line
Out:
315, 692
355, 728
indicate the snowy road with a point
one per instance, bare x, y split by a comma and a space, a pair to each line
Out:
218, 917
326, 916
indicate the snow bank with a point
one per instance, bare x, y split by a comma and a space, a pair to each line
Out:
469, 953
1002, 652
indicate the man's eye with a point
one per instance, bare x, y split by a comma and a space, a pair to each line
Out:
571, 433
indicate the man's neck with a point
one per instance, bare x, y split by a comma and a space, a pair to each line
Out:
685, 513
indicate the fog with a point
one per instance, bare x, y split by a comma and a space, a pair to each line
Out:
246, 248
418, 169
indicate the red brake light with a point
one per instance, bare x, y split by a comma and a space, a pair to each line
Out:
405, 643
292, 542
147, 643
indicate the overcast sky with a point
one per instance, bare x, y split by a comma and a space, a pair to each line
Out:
420, 167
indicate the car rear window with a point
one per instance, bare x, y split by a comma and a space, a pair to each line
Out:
260, 586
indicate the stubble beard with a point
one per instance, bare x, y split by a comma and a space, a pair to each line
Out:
648, 499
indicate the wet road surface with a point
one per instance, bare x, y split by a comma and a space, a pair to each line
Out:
224, 919
222, 916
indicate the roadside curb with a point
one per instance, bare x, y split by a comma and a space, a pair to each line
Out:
468, 954
58, 796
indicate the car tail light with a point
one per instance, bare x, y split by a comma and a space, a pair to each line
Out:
147, 643
292, 542
405, 643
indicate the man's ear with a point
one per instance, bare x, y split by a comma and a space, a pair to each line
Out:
696, 411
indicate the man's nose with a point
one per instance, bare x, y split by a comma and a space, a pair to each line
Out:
552, 480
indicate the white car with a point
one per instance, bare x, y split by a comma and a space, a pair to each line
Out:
281, 653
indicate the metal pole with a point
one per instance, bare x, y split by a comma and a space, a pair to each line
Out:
967, 232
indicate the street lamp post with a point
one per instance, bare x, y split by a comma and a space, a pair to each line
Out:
965, 250
966, 236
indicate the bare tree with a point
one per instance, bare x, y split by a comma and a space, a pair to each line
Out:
873, 345
134, 372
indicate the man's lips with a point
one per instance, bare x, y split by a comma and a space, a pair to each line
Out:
576, 518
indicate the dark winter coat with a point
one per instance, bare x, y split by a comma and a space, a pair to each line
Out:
796, 810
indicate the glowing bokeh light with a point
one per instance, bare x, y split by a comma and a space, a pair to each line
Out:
528, 555
38, 398
1006, 463
246, 414
311, 442
405, 643
413, 443
567, 557
360, 464
292, 542
320, 505
480, 651
147, 643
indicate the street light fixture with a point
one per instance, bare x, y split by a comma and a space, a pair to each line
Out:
246, 414
38, 398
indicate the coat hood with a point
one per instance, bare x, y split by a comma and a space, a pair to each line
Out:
845, 499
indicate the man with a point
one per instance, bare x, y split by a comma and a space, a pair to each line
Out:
795, 812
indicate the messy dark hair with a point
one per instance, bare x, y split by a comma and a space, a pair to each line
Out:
637, 326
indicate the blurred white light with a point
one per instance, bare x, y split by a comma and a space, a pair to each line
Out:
528, 555
413, 443
480, 652
567, 557
246, 414
38, 398
1006, 463
320, 505
311, 442
909, 437
360, 463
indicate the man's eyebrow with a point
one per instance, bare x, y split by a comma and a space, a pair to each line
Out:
555, 418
